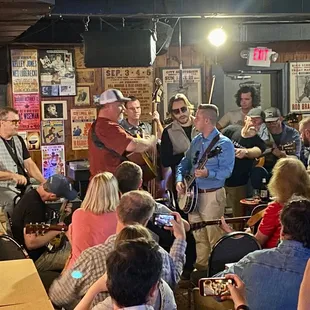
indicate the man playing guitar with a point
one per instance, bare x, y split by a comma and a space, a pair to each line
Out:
16, 165
107, 140
280, 135
210, 180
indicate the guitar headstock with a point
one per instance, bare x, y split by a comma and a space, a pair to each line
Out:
216, 151
37, 228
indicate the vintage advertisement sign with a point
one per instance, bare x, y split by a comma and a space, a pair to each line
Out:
300, 86
28, 107
190, 86
52, 132
53, 160
25, 78
81, 120
132, 81
57, 73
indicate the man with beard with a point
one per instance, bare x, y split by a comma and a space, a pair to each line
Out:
248, 146
246, 99
304, 130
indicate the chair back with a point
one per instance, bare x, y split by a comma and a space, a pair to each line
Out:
230, 249
10, 249
257, 176
209, 303
256, 210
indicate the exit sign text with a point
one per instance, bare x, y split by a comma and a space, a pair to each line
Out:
259, 57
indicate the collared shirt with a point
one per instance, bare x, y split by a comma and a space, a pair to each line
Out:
220, 167
142, 128
272, 277
91, 265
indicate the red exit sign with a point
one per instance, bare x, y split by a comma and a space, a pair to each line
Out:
259, 57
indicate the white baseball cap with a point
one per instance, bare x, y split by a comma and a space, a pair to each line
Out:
112, 95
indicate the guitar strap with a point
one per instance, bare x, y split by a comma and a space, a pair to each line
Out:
100, 145
208, 149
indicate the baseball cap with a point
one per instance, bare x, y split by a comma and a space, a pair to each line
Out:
257, 112
112, 95
61, 187
272, 114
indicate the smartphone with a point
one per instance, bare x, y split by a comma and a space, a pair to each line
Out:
163, 219
214, 286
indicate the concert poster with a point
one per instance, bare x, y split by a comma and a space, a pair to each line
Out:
24, 65
28, 107
52, 132
53, 160
299, 86
81, 121
191, 85
57, 73
133, 81
82, 98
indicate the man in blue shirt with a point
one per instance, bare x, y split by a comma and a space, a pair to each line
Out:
272, 277
210, 180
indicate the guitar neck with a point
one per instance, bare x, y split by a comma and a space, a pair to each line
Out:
196, 226
42, 228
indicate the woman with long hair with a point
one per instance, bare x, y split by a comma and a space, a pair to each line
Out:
289, 177
96, 220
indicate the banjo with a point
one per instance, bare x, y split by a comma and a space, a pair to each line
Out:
188, 200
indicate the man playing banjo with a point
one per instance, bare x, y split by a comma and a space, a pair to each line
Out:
210, 180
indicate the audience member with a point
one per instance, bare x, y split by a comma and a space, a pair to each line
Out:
96, 220
130, 232
304, 296
135, 207
32, 209
273, 276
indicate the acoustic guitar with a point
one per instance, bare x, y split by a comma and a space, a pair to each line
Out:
188, 200
43, 228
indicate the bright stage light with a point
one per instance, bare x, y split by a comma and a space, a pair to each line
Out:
217, 37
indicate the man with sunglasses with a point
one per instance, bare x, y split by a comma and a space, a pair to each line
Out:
16, 166
283, 140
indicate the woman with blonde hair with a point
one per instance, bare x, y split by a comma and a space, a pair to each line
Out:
289, 177
96, 220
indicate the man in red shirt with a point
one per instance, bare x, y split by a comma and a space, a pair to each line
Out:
107, 140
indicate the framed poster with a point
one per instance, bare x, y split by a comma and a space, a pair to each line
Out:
85, 76
52, 110
191, 85
52, 132
57, 73
82, 97
25, 76
81, 121
53, 160
299, 86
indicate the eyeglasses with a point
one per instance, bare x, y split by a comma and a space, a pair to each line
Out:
13, 121
180, 110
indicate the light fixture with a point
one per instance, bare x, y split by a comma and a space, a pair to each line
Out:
217, 37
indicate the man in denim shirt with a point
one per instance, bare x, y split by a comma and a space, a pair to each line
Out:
210, 180
284, 140
273, 276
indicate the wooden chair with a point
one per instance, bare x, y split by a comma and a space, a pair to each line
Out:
209, 303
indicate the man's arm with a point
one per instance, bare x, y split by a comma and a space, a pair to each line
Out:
140, 145
223, 122
32, 241
18, 178
296, 138
185, 165
73, 284
33, 170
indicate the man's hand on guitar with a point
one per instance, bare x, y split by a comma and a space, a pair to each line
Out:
177, 227
241, 153
227, 228
156, 116
201, 173
280, 154
19, 179
180, 187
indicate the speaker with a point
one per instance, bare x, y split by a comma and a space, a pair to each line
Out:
4, 61
124, 48
164, 36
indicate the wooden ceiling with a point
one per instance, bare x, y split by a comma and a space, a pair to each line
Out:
16, 16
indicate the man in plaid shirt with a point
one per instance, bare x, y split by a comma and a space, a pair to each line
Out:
135, 207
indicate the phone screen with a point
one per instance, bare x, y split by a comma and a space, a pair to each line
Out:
214, 286
163, 220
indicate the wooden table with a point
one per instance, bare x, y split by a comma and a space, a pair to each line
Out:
249, 204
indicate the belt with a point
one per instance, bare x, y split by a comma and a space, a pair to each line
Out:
207, 190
